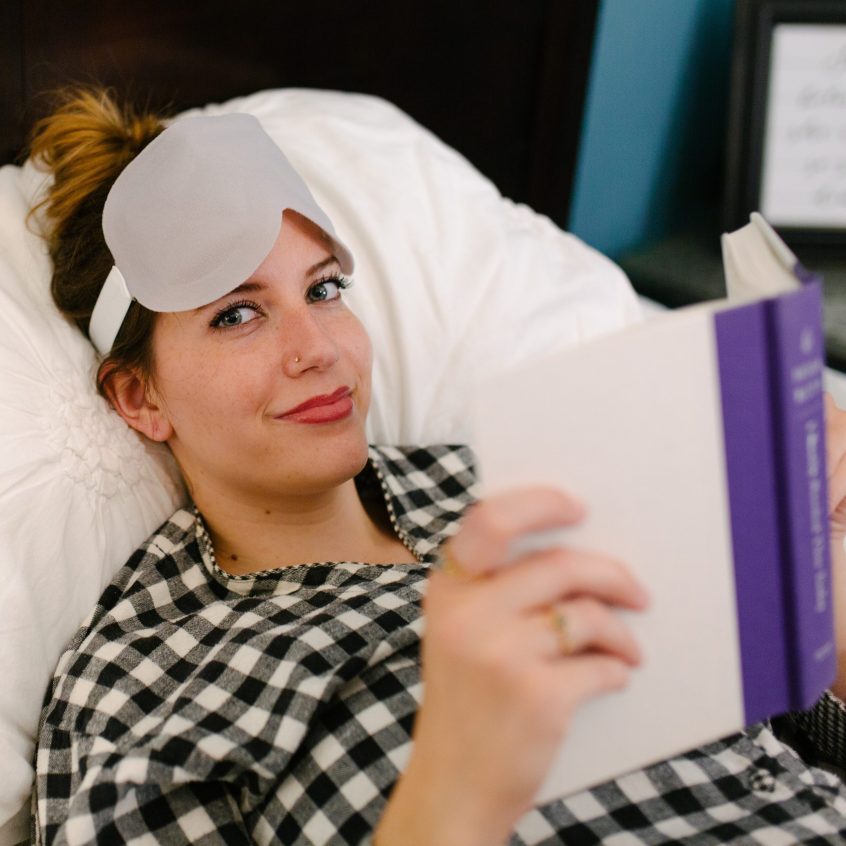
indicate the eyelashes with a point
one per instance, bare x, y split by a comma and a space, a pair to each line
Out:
224, 318
341, 283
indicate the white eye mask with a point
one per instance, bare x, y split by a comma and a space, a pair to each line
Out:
193, 216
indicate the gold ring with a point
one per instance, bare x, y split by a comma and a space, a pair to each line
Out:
452, 568
561, 627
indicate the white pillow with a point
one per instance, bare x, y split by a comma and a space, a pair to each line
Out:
451, 281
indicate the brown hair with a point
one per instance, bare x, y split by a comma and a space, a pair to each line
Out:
85, 143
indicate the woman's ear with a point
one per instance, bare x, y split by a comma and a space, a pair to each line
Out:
131, 396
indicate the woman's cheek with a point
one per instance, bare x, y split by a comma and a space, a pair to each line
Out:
364, 368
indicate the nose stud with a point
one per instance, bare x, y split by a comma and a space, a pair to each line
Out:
296, 359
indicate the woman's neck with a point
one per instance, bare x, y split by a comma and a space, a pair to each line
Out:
333, 525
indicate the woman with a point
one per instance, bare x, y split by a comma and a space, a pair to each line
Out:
253, 673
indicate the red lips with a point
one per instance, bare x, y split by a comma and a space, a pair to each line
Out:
324, 408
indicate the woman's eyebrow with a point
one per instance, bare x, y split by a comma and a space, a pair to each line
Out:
243, 288
249, 287
315, 268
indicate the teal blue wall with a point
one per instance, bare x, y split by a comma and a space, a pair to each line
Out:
651, 153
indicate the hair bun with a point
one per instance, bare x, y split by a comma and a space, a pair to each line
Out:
142, 129
86, 142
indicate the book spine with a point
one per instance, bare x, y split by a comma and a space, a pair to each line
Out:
797, 354
741, 336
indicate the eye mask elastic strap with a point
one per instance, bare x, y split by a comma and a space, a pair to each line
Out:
109, 312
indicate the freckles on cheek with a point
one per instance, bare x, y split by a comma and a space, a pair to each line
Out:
364, 366
192, 391
362, 351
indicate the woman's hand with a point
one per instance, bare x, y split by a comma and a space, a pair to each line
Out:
835, 420
502, 675
836, 455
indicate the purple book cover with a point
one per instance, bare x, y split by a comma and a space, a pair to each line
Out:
797, 355
743, 363
770, 361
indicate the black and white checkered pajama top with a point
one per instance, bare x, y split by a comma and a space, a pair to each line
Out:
198, 707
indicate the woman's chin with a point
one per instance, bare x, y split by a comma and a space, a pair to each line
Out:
332, 462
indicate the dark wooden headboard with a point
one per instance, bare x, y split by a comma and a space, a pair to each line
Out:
503, 83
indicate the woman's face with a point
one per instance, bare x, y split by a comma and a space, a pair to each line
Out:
265, 391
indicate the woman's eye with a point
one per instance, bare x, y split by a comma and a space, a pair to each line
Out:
327, 289
235, 315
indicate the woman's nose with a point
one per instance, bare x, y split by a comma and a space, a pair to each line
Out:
307, 344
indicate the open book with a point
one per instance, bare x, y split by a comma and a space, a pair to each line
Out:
697, 440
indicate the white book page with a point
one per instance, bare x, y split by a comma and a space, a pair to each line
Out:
803, 178
632, 424
757, 263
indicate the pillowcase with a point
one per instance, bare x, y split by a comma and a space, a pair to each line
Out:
452, 281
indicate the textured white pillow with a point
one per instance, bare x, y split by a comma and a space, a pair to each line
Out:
78, 488
451, 281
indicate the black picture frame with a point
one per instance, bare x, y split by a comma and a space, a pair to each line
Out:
749, 107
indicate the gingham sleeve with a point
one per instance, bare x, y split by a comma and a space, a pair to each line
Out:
823, 727
94, 795
194, 813
122, 798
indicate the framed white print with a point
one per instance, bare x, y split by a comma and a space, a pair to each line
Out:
786, 152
